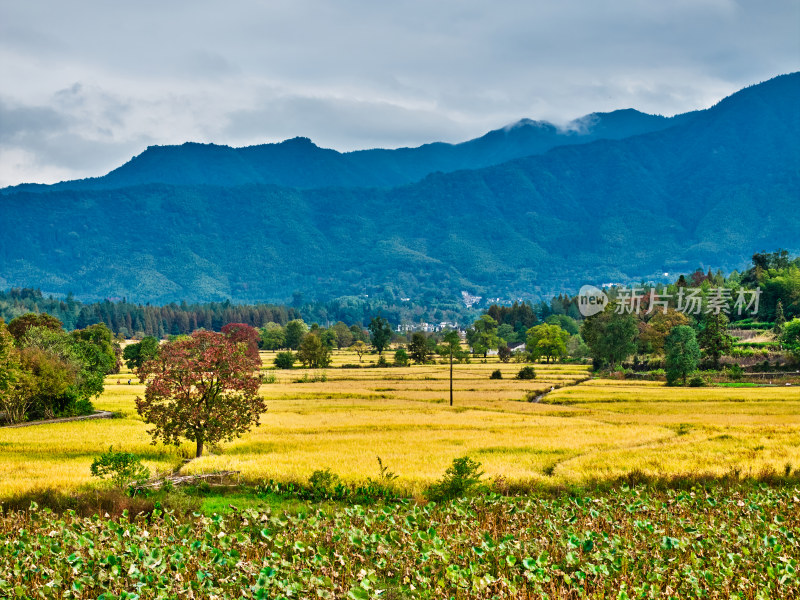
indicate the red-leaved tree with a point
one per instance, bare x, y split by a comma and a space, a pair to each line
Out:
241, 333
203, 388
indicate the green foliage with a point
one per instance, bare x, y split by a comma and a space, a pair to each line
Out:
323, 481
285, 360
381, 333
496, 374
682, 353
461, 479
791, 337
547, 340
401, 357
610, 336
344, 336
577, 348
123, 468
136, 354
482, 336
313, 352
294, 332
504, 353
630, 541
359, 347
713, 337
273, 336
527, 373
735, 372
418, 348
697, 381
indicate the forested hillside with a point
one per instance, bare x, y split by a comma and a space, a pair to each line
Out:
708, 192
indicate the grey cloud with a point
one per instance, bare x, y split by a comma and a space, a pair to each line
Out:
18, 122
354, 74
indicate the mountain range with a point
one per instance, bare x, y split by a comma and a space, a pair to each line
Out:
524, 211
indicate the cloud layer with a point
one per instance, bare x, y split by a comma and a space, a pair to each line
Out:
88, 85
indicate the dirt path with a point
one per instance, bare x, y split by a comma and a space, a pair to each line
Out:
101, 414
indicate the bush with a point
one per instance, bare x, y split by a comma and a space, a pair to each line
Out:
401, 358
382, 361
735, 372
496, 374
123, 468
323, 481
526, 373
460, 479
696, 381
285, 360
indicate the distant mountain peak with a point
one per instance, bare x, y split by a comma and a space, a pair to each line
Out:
527, 123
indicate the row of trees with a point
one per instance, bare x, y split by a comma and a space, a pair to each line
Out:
46, 372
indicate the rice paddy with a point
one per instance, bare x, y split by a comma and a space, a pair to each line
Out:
342, 419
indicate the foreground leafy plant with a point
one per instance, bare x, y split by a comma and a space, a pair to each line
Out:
630, 542
123, 468
460, 479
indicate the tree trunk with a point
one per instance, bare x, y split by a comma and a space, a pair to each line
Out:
199, 448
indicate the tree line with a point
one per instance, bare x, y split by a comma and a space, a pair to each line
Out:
47, 372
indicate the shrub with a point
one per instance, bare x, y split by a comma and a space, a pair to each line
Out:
735, 372
460, 479
401, 358
285, 360
382, 361
526, 373
323, 481
123, 468
697, 381
496, 374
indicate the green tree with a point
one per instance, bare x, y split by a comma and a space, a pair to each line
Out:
344, 337
19, 327
273, 336
682, 353
547, 340
203, 388
381, 333
506, 333
284, 360
577, 348
418, 348
504, 353
295, 330
655, 331
137, 354
610, 336
12, 403
482, 336
313, 353
359, 347
780, 318
713, 337
401, 357
790, 338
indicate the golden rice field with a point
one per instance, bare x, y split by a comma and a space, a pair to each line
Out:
593, 430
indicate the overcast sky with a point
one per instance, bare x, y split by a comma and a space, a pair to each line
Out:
86, 85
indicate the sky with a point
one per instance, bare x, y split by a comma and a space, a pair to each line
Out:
87, 85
